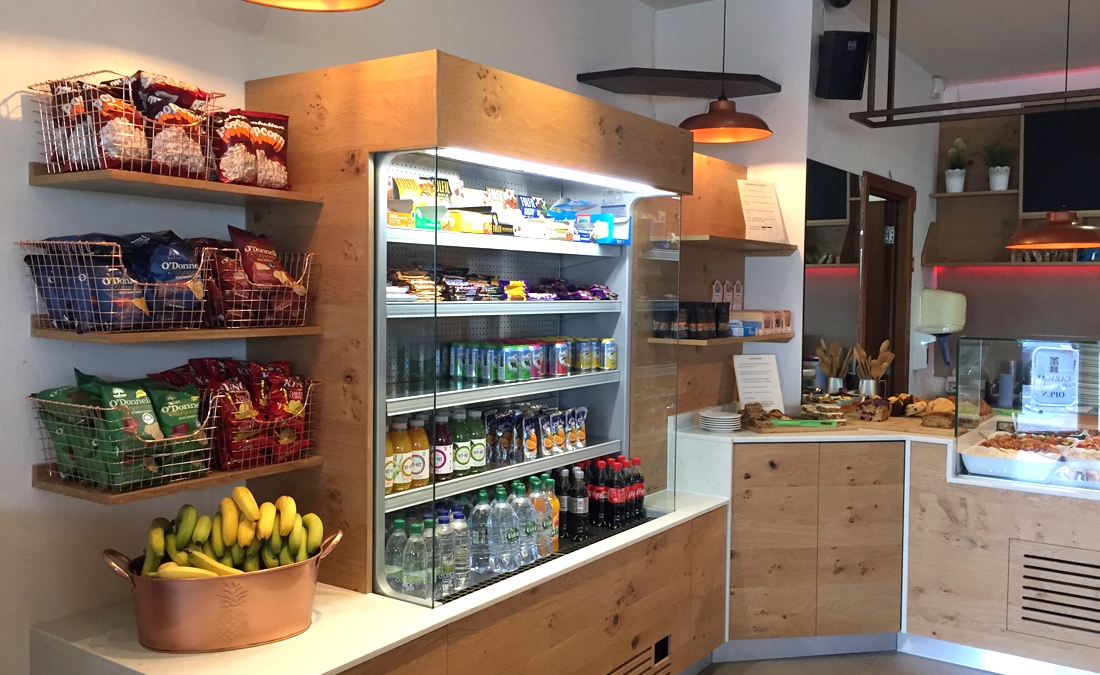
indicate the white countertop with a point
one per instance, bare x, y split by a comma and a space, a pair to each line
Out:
348, 628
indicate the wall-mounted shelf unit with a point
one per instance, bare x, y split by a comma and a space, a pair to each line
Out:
977, 193
716, 342
405, 235
682, 83
40, 327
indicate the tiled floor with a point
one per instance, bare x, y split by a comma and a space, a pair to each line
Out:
882, 663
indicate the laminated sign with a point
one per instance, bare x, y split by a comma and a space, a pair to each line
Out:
1054, 377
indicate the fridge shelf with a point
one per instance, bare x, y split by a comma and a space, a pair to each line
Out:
414, 310
456, 486
468, 393
500, 242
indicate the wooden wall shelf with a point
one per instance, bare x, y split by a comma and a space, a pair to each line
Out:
837, 266
40, 328
116, 181
683, 83
41, 479
716, 342
979, 193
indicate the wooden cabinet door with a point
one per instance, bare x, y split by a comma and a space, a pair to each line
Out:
860, 531
773, 540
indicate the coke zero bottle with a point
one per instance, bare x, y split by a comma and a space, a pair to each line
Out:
578, 507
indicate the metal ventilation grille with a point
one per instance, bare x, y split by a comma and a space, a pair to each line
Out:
1054, 592
643, 663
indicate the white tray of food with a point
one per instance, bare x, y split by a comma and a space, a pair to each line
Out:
1069, 476
1031, 458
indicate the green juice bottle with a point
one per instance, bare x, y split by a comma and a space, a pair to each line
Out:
460, 436
476, 434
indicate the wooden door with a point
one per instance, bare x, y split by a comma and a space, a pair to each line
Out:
859, 537
773, 541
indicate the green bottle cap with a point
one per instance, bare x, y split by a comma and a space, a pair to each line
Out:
429, 522
416, 528
521, 491
549, 482
482, 496
399, 524
535, 483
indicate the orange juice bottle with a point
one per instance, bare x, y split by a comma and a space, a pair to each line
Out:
402, 456
389, 464
420, 466
548, 485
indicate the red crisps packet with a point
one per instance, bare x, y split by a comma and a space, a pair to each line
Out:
260, 261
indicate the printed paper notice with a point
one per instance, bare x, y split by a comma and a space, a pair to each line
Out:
758, 380
760, 205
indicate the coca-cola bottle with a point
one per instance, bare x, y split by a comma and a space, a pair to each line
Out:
631, 487
617, 497
578, 507
639, 490
561, 489
600, 494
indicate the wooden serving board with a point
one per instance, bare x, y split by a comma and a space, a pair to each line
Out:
799, 430
901, 425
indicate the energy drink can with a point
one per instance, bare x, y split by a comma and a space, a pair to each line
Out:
538, 361
609, 354
458, 361
442, 360
524, 362
584, 355
473, 361
558, 361
510, 355
488, 372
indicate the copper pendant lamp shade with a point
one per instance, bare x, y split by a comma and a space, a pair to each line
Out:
723, 124
1061, 231
319, 5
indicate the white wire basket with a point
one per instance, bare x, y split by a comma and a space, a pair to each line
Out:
234, 301
92, 121
243, 441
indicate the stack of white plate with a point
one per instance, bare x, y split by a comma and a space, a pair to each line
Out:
715, 419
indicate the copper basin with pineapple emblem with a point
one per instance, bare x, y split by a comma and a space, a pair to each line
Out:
221, 613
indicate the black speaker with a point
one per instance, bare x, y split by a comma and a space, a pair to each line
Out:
842, 65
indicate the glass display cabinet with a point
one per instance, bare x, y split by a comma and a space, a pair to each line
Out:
1027, 415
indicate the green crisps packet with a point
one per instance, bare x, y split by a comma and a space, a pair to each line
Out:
130, 410
177, 411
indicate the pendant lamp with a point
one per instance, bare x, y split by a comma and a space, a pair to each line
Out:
1060, 231
721, 123
319, 5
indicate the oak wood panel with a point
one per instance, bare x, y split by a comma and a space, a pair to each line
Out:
588, 621
423, 656
977, 134
714, 206
959, 557
492, 111
773, 540
708, 584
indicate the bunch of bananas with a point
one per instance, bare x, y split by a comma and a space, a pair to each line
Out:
242, 537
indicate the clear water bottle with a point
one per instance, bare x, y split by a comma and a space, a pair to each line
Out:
462, 550
504, 535
445, 557
415, 564
479, 534
429, 543
395, 552
529, 526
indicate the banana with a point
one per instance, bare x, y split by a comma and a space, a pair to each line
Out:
203, 561
276, 540
202, 530
252, 562
184, 573
167, 565
215, 541
297, 534
231, 518
226, 559
157, 529
269, 556
285, 557
207, 549
254, 549
246, 532
236, 553
315, 532
174, 554
287, 511
266, 524
246, 502
152, 561
302, 554
185, 523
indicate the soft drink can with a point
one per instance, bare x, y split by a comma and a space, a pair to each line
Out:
609, 354
574, 355
584, 355
488, 372
442, 360
473, 361
524, 361
511, 357
538, 363
458, 361
559, 359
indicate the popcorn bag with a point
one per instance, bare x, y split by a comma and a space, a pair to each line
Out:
269, 138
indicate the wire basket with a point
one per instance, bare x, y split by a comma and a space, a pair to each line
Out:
236, 302
85, 287
91, 445
91, 121
244, 441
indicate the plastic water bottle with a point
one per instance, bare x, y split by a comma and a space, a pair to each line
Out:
529, 526
462, 550
445, 557
415, 564
479, 534
504, 535
395, 552
429, 543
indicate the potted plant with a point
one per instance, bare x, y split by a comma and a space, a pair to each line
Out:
956, 166
997, 157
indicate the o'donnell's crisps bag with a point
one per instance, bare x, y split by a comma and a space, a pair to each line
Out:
131, 409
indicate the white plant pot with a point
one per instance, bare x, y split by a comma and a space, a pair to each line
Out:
998, 177
955, 179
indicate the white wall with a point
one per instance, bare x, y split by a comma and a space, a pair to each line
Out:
905, 154
52, 544
771, 39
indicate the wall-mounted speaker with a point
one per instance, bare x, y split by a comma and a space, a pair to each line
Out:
842, 65
838, 3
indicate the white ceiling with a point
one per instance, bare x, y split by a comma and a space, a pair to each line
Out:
669, 4
968, 40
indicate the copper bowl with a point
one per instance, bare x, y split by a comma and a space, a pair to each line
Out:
222, 613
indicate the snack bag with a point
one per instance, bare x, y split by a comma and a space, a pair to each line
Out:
165, 261
261, 264
505, 434
286, 400
177, 411
287, 445
131, 409
233, 149
233, 300
153, 91
557, 429
530, 426
269, 139
582, 419
570, 430
68, 295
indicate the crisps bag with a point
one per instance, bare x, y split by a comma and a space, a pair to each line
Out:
130, 408
177, 411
